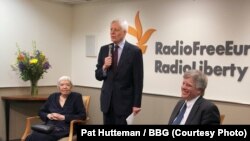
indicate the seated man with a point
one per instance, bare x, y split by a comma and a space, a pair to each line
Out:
60, 108
193, 109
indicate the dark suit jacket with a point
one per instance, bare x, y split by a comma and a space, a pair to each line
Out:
202, 112
121, 88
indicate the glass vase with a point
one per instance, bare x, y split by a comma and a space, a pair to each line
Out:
34, 88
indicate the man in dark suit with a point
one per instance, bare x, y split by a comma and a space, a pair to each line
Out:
193, 109
120, 67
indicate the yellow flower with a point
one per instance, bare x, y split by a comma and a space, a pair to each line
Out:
42, 56
33, 61
31, 66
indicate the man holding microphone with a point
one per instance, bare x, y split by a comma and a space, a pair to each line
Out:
120, 67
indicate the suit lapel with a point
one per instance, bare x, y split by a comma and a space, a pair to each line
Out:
179, 108
194, 110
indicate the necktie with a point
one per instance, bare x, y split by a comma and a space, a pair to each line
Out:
115, 57
179, 117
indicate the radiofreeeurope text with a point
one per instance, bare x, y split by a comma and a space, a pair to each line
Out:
180, 49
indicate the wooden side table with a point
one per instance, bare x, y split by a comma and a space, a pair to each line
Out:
20, 98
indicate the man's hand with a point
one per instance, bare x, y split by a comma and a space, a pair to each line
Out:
136, 110
107, 63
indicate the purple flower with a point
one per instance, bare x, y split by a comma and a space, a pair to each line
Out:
31, 65
21, 66
46, 65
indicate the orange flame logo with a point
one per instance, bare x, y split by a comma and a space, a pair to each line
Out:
138, 33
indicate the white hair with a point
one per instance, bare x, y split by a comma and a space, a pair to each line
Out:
199, 78
62, 78
122, 23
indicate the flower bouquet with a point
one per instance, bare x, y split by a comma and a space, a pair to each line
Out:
31, 66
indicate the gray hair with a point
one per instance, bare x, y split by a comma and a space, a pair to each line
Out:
62, 78
122, 23
199, 78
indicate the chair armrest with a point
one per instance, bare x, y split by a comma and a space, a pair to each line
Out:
28, 126
72, 123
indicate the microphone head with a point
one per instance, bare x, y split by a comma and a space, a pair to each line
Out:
110, 50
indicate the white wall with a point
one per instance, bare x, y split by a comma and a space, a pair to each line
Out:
60, 32
49, 24
210, 22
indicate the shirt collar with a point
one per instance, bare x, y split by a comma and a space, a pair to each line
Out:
190, 103
121, 44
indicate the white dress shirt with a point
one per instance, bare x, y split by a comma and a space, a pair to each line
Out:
190, 105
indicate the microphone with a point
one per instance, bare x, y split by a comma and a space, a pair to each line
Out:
110, 50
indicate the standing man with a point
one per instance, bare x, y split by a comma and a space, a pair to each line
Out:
120, 67
193, 109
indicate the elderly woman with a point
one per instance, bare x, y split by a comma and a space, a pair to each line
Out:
60, 108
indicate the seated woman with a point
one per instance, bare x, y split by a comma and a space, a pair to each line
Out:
60, 108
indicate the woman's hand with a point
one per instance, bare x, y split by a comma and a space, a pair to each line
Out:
55, 116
